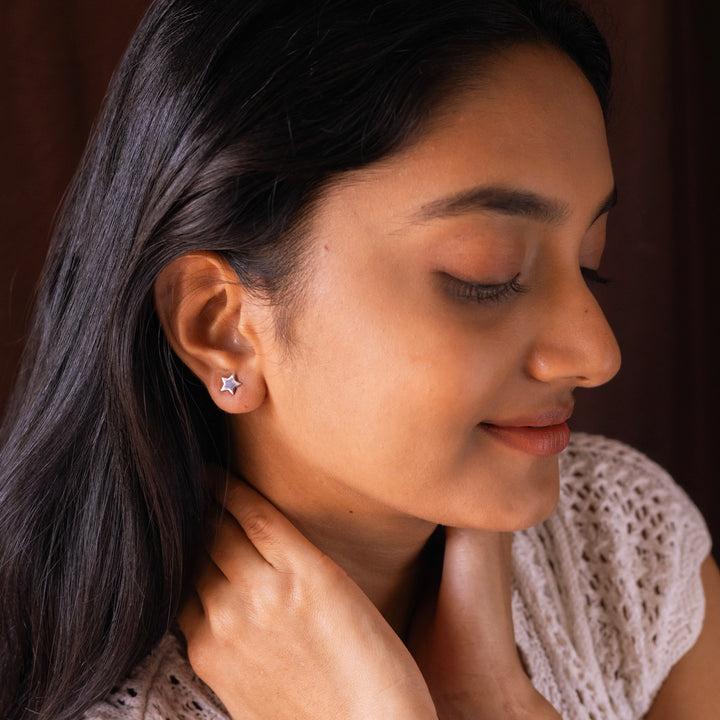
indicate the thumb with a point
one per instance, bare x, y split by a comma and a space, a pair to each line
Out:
477, 569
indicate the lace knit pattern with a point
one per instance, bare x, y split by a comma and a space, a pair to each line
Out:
607, 597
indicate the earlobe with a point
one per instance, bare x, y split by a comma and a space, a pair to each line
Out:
230, 384
205, 313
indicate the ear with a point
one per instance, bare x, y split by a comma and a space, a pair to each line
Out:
208, 318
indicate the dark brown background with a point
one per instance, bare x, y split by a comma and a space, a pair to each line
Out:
55, 62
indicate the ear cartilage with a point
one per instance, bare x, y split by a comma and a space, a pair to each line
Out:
230, 384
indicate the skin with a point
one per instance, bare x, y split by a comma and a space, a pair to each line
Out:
692, 689
367, 432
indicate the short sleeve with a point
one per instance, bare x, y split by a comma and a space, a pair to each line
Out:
622, 558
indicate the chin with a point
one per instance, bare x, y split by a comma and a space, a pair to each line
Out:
505, 494
535, 512
538, 501
531, 498
508, 516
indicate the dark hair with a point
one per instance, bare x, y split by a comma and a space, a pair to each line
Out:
223, 124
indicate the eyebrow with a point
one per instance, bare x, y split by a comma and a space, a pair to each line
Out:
507, 201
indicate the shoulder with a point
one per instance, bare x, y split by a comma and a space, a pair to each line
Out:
617, 571
163, 686
613, 496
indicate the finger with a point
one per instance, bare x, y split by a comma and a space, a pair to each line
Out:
477, 568
275, 537
462, 545
210, 583
231, 551
191, 615
195, 627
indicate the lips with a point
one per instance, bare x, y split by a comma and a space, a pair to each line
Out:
542, 435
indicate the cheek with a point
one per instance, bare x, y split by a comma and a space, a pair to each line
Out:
380, 375
392, 385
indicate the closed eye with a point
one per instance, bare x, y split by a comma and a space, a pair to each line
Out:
483, 293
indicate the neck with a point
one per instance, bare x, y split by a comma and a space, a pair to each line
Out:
378, 547
386, 566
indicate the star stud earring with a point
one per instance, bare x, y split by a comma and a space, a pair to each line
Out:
230, 384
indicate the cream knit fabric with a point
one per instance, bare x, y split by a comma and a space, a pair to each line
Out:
607, 593
607, 597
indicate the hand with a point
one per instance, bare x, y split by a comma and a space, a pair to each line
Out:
465, 644
277, 630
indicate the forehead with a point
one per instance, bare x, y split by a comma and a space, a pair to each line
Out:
530, 121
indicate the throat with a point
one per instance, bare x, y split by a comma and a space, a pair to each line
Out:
394, 573
379, 546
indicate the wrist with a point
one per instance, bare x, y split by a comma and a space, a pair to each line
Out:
522, 704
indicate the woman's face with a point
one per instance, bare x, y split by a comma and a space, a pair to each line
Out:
446, 301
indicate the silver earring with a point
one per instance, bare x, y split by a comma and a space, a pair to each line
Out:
230, 384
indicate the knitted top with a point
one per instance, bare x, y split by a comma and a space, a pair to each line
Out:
607, 597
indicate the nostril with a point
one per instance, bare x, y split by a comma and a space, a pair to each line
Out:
576, 347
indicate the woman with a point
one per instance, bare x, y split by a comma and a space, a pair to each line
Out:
342, 252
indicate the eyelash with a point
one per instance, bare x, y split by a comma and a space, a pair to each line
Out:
480, 293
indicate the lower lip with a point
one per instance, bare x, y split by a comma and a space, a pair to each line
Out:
540, 441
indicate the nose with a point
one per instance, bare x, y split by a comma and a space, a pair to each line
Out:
574, 343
